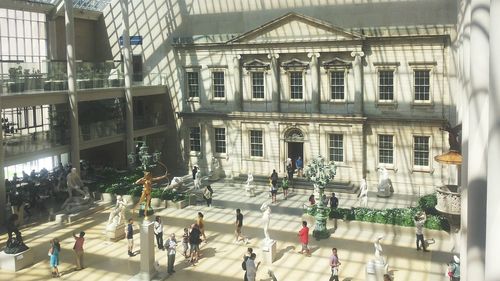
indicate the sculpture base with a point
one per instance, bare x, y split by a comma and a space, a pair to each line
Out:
269, 251
115, 232
150, 211
321, 234
16, 262
375, 270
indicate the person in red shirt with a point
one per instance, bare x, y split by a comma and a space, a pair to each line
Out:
78, 248
304, 238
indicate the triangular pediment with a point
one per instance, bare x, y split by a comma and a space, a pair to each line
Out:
336, 62
294, 27
294, 63
256, 64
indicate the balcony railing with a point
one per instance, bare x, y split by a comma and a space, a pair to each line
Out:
448, 199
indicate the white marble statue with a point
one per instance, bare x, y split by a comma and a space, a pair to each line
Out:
266, 218
78, 194
250, 188
117, 215
197, 180
384, 187
379, 253
214, 173
363, 193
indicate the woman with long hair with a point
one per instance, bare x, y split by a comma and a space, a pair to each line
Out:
54, 250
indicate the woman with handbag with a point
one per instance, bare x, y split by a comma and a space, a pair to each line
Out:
334, 265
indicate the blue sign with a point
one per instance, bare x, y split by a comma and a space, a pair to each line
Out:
134, 40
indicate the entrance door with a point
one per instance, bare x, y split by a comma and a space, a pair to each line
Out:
295, 149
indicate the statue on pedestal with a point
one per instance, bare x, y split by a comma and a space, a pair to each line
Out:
384, 187
214, 173
250, 188
363, 193
266, 218
117, 215
78, 194
14, 245
379, 258
146, 181
197, 180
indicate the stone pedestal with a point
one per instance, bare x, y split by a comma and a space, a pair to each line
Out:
147, 271
375, 271
16, 262
115, 232
269, 251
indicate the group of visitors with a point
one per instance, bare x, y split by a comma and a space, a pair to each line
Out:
55, 250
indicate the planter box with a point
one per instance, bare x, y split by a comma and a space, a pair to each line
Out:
179, 204
192, 199
157, 203
108, 197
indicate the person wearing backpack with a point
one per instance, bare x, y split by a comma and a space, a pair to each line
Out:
244, 263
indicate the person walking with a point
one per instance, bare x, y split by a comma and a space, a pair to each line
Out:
194, 171
158, 230
299, 165
185, 242
170, 246
78, 249
55, 249
251, 267
201, 224
194, 243
334, 202
334, 265
290, 171
285, 184
129, 233
304, 238
419, 221
207, 194
239, 225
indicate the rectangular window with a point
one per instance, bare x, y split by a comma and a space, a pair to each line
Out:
195, 139
337, 85
256, 144
422, 85
421, 151
296, 82
218, 84
336, 146
386, 85
258, 85
193, 84
220, 140
385, 149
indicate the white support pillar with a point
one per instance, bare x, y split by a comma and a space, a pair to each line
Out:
477, 141
358, 82
315, 89
72, 92
3, 188
52, 36
238, 93
492, 270
127, 70
275, 73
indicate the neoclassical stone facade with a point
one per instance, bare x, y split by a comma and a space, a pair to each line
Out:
298, 86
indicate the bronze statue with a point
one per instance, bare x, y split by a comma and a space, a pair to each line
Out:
14, 245
146, 182
454, 136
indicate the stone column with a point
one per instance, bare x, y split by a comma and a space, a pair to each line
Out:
492, 271
476, 139
358, 82
275, 73
72, 93
3, 189
238, 93
127, 71
315, 89
52, 39
146, 270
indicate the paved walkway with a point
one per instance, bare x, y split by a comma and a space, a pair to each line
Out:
222, 258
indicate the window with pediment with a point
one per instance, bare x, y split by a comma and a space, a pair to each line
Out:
257, 74
337, 70
295, 69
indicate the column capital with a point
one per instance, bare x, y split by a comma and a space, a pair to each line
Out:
311, 54
273, 56
357, 53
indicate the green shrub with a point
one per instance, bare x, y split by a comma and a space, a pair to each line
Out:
167, 195
156, 193
380, 217
428, 203
179, 197
360, 213
135, 191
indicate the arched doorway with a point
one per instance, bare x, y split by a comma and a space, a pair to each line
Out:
294, 139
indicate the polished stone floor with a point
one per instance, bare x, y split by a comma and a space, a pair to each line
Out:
221, 259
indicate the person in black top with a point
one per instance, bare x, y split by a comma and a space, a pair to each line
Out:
239, 224
194, 243
129, 233
289, 171
194, 171
334, 203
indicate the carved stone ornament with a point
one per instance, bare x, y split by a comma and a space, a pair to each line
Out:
294, 135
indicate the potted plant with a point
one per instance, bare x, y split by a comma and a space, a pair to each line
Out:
15, 83
180, 200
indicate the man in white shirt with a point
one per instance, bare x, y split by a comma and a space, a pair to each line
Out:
170, 246
419, 220
158, 230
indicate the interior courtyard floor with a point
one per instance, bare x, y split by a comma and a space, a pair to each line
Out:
221, 257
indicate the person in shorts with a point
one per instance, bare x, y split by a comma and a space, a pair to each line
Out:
304, 238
